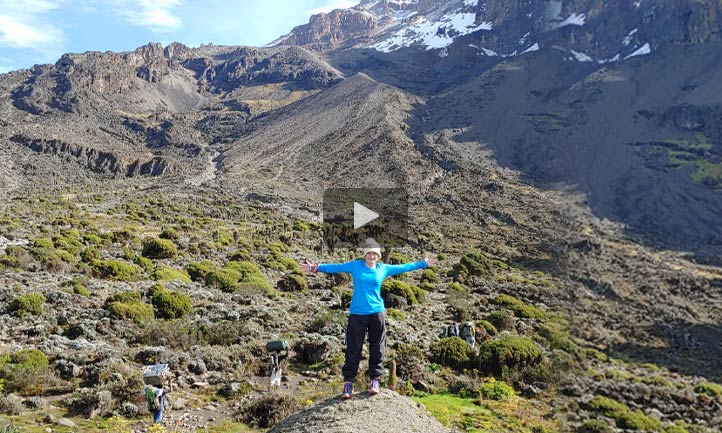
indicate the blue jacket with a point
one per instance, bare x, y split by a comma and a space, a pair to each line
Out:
367, 282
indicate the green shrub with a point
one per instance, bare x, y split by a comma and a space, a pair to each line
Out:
607, 406
501, 320
128, 304
595, 354
451, 351
145, 263
43, 243
256, 284
244, 269
116, 270
224, 279
240, 255
397, 258
155, 248
412, 294
92, 239
529, 312
170, 304
487, 326
65, 256
396, 314
278, 248
166, 273
519, 308
122, 236
558, 337
292, 283
138, 312
89, 254
31, 358
80, 289
713, 390
637, 420
239, 276
623, 416
507, 301
169, 233
676, 429
24, 371
125, 296
429, 276
473, 264
301, 226
456, 287
496, 390
281, 263
30, 303
594, 426
508, 352
198, 270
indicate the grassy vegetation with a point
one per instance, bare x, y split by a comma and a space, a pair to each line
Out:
477, 416
684, 153
129, 305
30, 303
519, 308
623, 416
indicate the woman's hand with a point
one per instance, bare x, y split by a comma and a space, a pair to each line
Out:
431, 260
308, 266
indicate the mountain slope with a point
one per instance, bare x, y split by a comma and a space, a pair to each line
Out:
351, 134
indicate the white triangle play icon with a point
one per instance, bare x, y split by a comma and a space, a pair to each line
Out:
362, 215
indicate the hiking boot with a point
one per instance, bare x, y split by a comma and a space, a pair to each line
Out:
347, 390
375, 388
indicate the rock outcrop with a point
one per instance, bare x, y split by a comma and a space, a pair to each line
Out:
382, 413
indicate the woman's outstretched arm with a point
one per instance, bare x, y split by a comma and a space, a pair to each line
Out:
392, 270
328, 268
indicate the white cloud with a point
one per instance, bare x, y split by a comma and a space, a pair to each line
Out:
156, 15
331, 5
23, 25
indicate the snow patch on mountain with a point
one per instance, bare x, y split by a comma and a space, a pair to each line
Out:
628, 39
571, 20
534, 47
581, 57
641, 51
432, 33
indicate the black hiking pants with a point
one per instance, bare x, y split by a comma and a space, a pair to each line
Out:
356, 330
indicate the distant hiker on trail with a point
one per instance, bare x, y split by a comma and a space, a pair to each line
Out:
367, 312
452, 330
154, 396
468, 333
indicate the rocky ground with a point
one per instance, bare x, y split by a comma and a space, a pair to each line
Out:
573, 301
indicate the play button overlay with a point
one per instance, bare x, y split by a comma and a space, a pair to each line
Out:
362, 215
350, 215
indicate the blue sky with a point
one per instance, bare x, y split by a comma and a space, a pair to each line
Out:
40, 31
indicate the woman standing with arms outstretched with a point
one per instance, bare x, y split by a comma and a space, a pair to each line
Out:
367, 312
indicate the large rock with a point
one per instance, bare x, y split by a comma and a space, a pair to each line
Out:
385, 412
